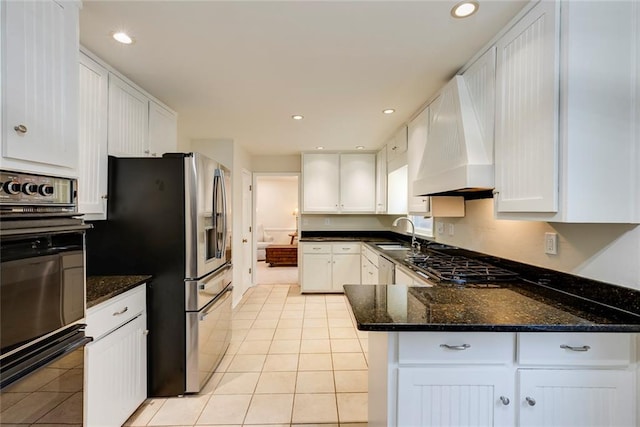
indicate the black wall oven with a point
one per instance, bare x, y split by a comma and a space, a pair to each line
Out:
42, 300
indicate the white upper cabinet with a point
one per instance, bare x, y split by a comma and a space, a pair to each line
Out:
417, 140
163, 130
567, 116
320, 182
40, 86
92, 135
397, 149
358, 183
397, 191
128, 119
381, 181
339, 183
526, 155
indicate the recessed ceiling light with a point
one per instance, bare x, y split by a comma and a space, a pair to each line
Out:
319, 147
297, 117
389, 111
122, 37
464, 9
359, 147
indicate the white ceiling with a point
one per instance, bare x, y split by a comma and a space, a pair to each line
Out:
239, 69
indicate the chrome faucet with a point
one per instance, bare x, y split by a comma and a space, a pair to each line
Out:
415, 246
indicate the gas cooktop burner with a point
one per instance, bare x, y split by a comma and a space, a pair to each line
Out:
461, 270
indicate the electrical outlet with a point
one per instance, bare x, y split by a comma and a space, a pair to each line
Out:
440, 227
451, 230
551, 243
327, 221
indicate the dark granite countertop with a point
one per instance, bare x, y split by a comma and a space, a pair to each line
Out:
512, 308
102, 288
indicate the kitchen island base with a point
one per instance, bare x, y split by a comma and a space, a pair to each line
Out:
502, 379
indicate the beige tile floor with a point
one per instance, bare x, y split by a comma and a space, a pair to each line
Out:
294, 360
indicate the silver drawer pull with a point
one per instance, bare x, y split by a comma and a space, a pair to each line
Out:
20, 129
505, 400
455, 347
530, 400
145, 332
316, 249
346, 249
568, 347
201, 286
118, 313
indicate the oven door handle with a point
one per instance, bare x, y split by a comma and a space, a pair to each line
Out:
47, 230
32, 358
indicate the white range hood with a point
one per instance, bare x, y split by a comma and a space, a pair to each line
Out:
458, 157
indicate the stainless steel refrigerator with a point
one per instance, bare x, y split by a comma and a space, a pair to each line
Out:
171, 217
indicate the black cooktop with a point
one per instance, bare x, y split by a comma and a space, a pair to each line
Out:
460, 270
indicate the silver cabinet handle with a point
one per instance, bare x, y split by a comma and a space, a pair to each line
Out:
530, 400
582, 348
146, 151
118, 313
505, 400
104, 196
145, 332
455, 347
316, 249
201, 286
20, 129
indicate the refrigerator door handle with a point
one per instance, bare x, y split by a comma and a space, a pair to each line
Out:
225, 232
215, 302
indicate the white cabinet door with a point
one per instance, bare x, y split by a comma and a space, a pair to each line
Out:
345, 271
128, 120
381, 181
358, 183
418, 129
163, 130
320, 182
446, 397
575, 398
526, 139
316, 273
397, 144
40, 85
92, 135
116, 374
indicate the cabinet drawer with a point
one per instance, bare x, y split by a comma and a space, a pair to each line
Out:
345, 248
456, 347
110, 314
596, 349
312, 248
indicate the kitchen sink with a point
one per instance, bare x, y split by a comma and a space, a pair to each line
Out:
392, 247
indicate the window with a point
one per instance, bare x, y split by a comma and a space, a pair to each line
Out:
424, 225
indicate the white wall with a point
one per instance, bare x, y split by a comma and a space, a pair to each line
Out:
276, 200
605, 252
290, 163
235, 157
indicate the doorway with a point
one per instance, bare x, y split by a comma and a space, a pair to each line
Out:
276, 228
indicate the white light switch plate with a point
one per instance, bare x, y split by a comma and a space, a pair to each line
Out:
551, 243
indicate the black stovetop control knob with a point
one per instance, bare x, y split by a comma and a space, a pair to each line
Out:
29, 188
45, 190
12, 187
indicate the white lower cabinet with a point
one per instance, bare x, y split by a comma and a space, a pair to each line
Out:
493, 379
443, 397
116, 361
325, 267
575, 398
